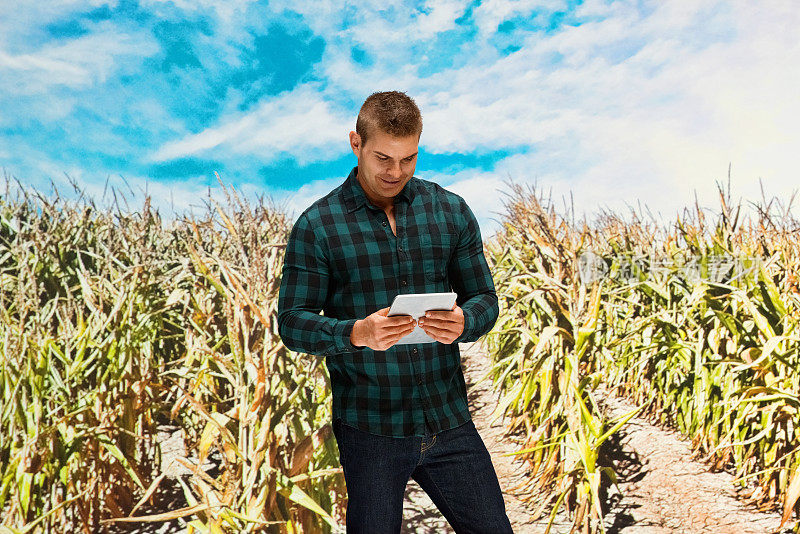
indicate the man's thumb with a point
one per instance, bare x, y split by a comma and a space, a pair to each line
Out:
384, 311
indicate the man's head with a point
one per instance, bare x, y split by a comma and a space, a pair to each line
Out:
387, 135
391, 112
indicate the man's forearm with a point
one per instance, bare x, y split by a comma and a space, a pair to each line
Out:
480, 314
305, 331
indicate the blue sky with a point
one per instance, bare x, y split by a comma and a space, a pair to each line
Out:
601, 104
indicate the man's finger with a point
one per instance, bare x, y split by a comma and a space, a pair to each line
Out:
442, 317
401, 319
431, 333
399, 327
439, 313
435, 329
442, 335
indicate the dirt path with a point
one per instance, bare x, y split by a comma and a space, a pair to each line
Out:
663, 489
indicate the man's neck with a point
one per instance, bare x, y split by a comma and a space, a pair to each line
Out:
385, 205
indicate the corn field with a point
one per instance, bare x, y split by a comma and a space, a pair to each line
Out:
697, 322
113, 323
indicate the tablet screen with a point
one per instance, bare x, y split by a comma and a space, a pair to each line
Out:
416, 305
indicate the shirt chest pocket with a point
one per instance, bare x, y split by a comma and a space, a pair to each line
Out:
436, 253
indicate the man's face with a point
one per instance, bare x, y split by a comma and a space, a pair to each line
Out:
385, 164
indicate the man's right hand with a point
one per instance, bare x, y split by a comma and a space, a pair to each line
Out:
379, 332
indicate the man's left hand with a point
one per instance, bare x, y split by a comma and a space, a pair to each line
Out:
443, 326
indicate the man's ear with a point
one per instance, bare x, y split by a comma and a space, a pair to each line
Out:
355, 143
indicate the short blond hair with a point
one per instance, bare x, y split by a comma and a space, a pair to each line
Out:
392, 112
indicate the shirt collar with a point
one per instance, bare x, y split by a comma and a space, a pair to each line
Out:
354, 195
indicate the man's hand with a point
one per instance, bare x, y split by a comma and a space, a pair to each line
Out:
443, 326
379, 332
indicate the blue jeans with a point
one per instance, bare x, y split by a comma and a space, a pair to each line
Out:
453, 467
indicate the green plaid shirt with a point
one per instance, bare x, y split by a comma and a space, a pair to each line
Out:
342, 258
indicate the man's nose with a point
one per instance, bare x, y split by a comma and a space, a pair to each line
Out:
395, 171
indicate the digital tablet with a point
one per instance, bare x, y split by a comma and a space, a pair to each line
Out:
416, 305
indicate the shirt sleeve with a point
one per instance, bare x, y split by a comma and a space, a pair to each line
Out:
304, 288
471, 279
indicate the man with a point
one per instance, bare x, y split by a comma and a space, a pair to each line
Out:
398, 412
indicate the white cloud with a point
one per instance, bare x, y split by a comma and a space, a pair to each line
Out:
18, 20
491, 13
442, 17
380, 34
229, 15
77, 63
298, 123
227, 10
379, 26
601, 8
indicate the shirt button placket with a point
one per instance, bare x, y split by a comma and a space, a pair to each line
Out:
419, 375
402, 254
422, 397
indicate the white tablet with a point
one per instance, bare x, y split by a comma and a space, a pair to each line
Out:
416, 305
